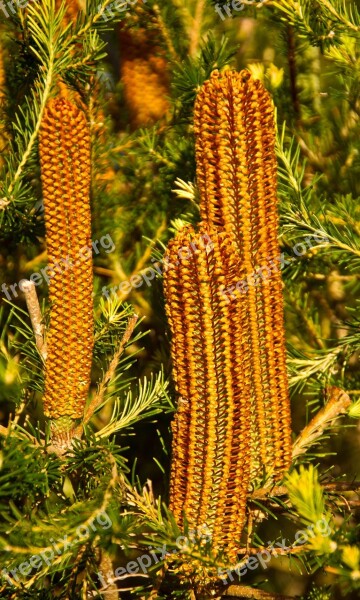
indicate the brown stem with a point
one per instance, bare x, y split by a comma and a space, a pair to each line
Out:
196, 28
281, 490
242, 591
99, 396
33, 307
292, 71
166, 35
338, 403
144, 258
107, 569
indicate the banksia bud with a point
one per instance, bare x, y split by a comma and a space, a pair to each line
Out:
65, 175
211, 444
236, 173
144, 73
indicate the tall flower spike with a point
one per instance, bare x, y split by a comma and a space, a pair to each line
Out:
65, 176
210, 463
236, 174
144, 73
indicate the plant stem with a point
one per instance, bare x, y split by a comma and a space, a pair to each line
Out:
292, 71
99, 396
196, 28
242, 591
33, 307
338, 403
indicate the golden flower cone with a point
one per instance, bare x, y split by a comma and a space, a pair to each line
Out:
144, 74
236, 174
210, 463
65, 176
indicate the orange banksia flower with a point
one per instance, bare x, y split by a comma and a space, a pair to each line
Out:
72, 9
236, 174
65, 176
144, 73
211, 446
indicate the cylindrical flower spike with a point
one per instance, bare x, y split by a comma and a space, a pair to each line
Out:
65, 175
144, 73
211, 454
236, 174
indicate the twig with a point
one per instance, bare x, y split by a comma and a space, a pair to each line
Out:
335, 277
106, 567
196, 28
243, 591
35, 261
166, 35
33, 307
281, 490
276, 552
20, 433
99, 396
159, 579
144, 258
338, 403
292, 71
317, 161
105, 272
339, 17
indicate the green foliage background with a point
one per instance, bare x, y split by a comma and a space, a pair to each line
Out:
307, 54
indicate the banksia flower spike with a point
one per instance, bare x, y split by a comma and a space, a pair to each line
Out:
236, 174
210, 464
144, 74
65, 175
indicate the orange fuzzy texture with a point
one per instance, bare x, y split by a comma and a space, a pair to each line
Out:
72, 10
210, 468
236, 174
65, 176
144, 74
